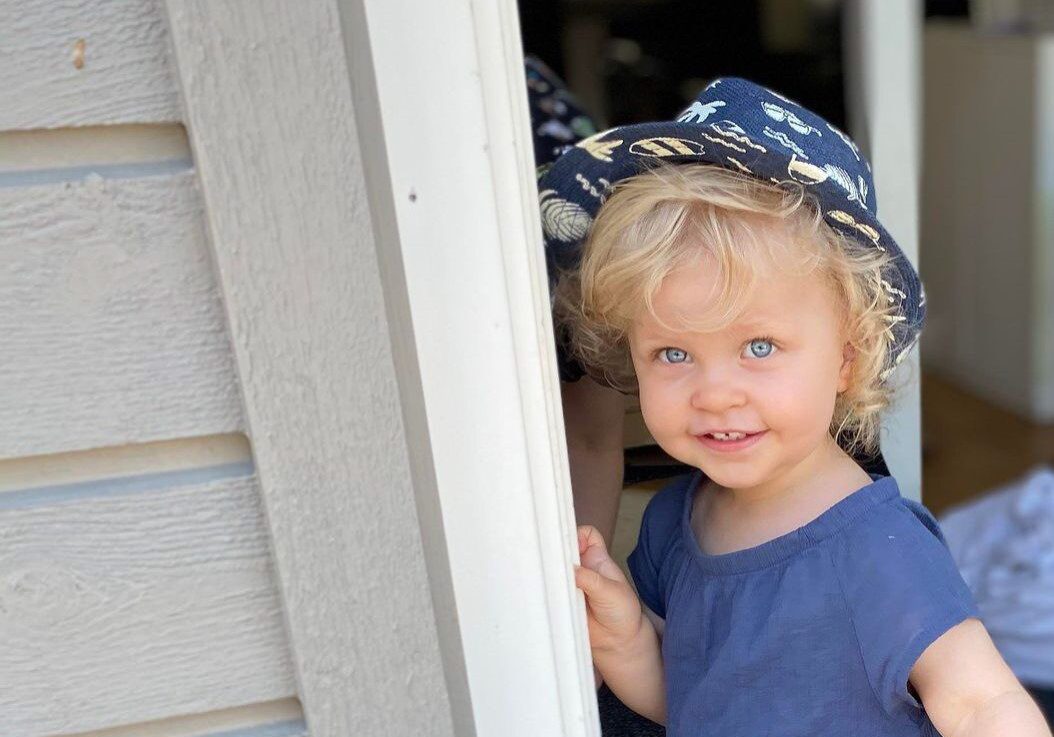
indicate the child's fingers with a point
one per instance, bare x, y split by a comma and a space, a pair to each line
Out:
603, 564
591, 582
594, 555
583, 538
602, 577
590, 537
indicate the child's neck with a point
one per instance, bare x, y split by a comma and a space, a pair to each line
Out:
827, 471
734, 519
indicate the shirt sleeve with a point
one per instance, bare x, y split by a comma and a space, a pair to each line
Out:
659, 526
903, 591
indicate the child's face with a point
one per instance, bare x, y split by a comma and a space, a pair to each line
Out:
775, 371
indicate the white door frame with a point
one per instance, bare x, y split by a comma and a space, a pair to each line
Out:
883, 48
450, 81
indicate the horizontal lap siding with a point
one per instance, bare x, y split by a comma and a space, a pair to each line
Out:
84, 62
136, 587
136, 603
139, 595
112, 323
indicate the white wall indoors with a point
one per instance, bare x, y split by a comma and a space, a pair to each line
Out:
988, 214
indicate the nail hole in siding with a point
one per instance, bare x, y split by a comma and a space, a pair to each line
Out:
78, 53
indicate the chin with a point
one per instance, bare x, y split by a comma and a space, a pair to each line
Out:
745, 478
725, 472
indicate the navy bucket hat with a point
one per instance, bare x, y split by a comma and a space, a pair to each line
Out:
557, 118
739, 125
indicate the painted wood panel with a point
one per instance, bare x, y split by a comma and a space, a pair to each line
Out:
135, 599
275, 136
84, 62
113, 330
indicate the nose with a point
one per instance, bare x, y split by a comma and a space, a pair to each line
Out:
716, 388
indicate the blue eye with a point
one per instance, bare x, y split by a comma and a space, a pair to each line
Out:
673, 355
760, 348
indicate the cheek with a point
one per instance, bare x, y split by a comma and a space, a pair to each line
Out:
802, 398
658, 404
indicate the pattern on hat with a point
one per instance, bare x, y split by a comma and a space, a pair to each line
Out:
558, 122
557, 119
741, 126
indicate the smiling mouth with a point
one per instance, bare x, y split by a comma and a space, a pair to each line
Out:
730, 434
731, 440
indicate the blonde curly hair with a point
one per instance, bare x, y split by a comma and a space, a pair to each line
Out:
669, 215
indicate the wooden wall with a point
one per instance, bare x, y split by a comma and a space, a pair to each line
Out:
137, 595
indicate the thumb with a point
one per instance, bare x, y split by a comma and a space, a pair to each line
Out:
597, 559
591, 582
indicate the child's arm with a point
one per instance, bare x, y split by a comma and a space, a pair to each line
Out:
969, 691
623, 641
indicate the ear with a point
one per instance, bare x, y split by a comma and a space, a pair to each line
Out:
846, 370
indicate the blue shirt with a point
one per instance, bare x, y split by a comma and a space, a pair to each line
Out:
812, 633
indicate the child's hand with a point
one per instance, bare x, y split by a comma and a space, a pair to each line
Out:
614, 613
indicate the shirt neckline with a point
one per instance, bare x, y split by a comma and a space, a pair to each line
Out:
880, 490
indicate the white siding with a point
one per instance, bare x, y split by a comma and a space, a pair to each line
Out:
112, 322
123, 74
137, 598
137, 595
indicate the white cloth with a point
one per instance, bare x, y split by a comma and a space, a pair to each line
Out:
1003, 544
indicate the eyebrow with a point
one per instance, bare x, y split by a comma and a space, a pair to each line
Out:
766, 323
754, 325
658, 334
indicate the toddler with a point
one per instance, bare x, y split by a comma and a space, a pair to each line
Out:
735, 275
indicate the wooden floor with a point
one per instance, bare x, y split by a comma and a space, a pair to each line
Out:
969, 447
